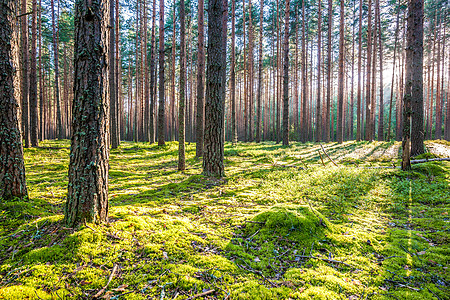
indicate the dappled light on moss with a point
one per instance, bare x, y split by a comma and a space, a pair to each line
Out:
279, 226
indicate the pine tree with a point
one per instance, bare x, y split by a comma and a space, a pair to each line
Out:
87, 197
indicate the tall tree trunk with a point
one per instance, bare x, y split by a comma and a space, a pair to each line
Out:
368, 127
117, 75
286, 77
34, 135
340, 112
87, 197
381, 111
278, 87
41, 81
358, 96
319, 58
414, 81
251, 80
12, 169
233, 75
173, 67
161, 109
200, 81
215, 89
112, 81
181, 116
260, 66
393, 74
296, 107
25, 105
303, 121
326, 137
438, 134
152, 77
146, 135
56, 62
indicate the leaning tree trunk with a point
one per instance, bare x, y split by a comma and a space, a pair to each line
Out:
286, 77
215, 90
413, 78
87, 197
12, 169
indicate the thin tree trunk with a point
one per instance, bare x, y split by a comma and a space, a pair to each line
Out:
318, 106
368, 133
381, 110
326, 137
161, 109
260, 66
340, 112
25, 105
438, 133
56, 62
286, 77
112, 81
233, 75
181, 118
393, 74
200, 81
33, 80
152, 77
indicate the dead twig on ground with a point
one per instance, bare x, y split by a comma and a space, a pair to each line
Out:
331, 261
113, 272
202, 294
323, 149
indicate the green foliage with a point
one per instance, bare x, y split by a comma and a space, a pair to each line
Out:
279, 226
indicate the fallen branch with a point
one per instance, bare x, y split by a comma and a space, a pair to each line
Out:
332, 261
419, 161
113, 272
323, 149
249, 269
321, 158
202, 294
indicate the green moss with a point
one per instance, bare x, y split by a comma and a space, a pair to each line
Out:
280, 226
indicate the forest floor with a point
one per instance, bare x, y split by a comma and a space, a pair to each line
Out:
280, 226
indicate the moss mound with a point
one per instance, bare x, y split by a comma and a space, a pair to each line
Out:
280, 232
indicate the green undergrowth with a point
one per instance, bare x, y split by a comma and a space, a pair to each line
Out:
279, 226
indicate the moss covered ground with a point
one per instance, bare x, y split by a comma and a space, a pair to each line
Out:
280, 226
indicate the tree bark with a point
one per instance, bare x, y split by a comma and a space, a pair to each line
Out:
413, 78
34, 120
340, 112
381, 109
368, 127
215, 90
200, 81
326, 137
234, 136
181, 116
319, 58
112, 82
161, 109
260, 66
56, 61
152, 77
12, 169
87, 197
24, 80
286, 77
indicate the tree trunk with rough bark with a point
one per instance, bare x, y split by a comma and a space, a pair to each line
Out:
182, 100
215, 90
340, 112
34, 120
87, 197
200, 81
413, 79
286, 76
162, 102
12, 169
260, 66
